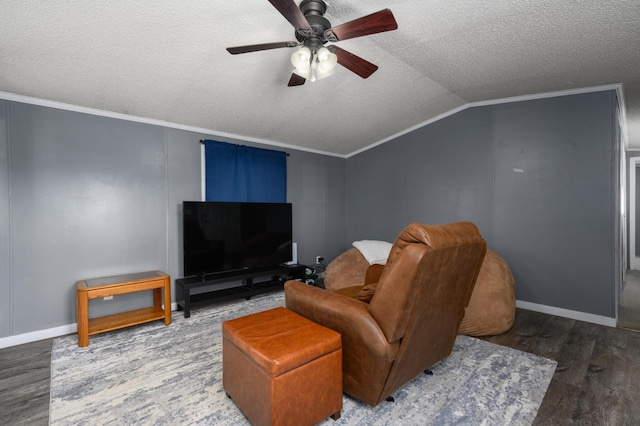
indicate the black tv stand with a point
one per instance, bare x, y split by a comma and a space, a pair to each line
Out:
277, 277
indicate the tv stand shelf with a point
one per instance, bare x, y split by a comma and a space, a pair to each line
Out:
185, 286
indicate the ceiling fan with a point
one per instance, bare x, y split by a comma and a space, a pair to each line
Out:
312, 31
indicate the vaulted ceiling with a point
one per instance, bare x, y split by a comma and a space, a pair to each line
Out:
166, 60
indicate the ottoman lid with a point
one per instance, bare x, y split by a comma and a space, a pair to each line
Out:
279, 340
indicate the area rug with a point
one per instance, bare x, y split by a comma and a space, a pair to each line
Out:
156, 375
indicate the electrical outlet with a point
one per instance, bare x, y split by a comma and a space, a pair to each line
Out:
319, 259
108, 297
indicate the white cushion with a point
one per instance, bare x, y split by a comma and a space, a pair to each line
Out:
373, 250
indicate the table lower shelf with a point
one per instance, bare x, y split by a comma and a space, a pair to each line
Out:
125, 319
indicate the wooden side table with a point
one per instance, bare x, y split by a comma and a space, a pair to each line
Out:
121, 284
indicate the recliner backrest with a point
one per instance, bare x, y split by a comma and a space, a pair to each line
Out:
406, 271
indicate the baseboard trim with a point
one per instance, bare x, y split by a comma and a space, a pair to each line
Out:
49, 333
567, 313
34, 336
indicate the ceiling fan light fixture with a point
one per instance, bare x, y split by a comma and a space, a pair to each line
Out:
313, 30
301, 59
314, 64
327, 62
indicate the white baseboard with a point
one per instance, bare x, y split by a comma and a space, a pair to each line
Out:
49, 333
567, 313
34, 336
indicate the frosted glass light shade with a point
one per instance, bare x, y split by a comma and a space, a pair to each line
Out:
301, 58
323, 54
327, 62
327, 58
314, 65
302, 72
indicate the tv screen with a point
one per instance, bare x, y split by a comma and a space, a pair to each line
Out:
227, 236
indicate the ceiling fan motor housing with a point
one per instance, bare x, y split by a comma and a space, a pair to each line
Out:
313, 11
313, 7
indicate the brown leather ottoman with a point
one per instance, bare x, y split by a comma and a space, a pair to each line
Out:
281, 368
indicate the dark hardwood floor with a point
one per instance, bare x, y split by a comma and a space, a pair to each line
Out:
25, 374
597, 381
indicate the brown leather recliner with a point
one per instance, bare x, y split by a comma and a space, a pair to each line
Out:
412, 319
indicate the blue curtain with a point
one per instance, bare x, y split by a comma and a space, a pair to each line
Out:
243, 173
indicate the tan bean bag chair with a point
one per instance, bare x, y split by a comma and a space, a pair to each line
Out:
492, 306
346, 270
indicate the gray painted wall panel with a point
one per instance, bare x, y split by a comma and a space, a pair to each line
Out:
554, 223
5, 234
637, 208
554, 220
88, 201
437, 174
184, 184
449, 171
376, 193
306, 191
627, 183
336, 208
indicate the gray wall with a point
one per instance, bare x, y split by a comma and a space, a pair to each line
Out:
553, 222
83, 196
437, 174
88, 199
637, 209
627, 160
6, 289
632, 100
316, 185
86, 196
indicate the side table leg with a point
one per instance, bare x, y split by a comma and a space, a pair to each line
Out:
157, 298
82, 314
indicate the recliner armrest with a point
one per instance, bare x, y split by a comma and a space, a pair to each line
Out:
348, 316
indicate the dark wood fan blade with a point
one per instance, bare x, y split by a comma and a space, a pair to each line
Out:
290, 10
263, 46
378, 22
296, 80
353, 63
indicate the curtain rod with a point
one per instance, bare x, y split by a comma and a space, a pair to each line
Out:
202, 142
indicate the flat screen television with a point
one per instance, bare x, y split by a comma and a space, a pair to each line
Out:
228, 236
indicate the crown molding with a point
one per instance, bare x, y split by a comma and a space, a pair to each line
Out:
210, 132
522, 98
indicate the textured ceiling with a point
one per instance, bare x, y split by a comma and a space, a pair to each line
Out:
166, 60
